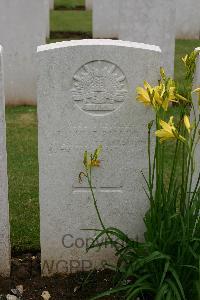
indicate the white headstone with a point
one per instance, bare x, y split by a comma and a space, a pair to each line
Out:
88, 4
105, 18
23, 26
188, 19
197, 109
86, 97
47, 11
4, 210
51, 3
151, 22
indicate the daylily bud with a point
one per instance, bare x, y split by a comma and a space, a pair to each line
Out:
187, 123
150, 124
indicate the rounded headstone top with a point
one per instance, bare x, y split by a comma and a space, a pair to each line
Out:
98, 42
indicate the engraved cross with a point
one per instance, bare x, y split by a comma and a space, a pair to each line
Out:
107, 189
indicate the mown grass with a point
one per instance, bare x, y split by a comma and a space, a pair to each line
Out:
23, 177
68, 4
71, 21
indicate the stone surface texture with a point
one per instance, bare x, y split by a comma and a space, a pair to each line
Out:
188, 19
151, 22
51, 3
4, 208
88, 4
47, 11
196, 101
87, 97
23, 27
106, 18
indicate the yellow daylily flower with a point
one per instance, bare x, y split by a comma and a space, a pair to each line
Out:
158, 96
168, 131
190, 63
197, 91
187, 123
93, 161
149, 95
172, 94
184, 59
162, 73
143, 94
180, 97
147, 86
90, 161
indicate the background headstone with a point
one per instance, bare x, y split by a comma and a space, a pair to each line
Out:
86, 97
88, 4
23, 26
151, 22
105, 20
187, 19
47, 11
51, 3
4, 209
197, 109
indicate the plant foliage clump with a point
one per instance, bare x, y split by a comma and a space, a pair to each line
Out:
166, 266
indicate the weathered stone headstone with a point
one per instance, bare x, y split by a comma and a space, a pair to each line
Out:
106, 18
197, 110
86, 97
4, 210
23, 26
88, 4
188, 19
151, 22
47, 11
51, 3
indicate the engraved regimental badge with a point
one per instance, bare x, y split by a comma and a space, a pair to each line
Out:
99, 87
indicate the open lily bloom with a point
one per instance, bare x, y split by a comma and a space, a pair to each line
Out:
168, 131
158, 96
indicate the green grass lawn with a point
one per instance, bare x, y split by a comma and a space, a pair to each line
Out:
23, 177
71, 21
69, 3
